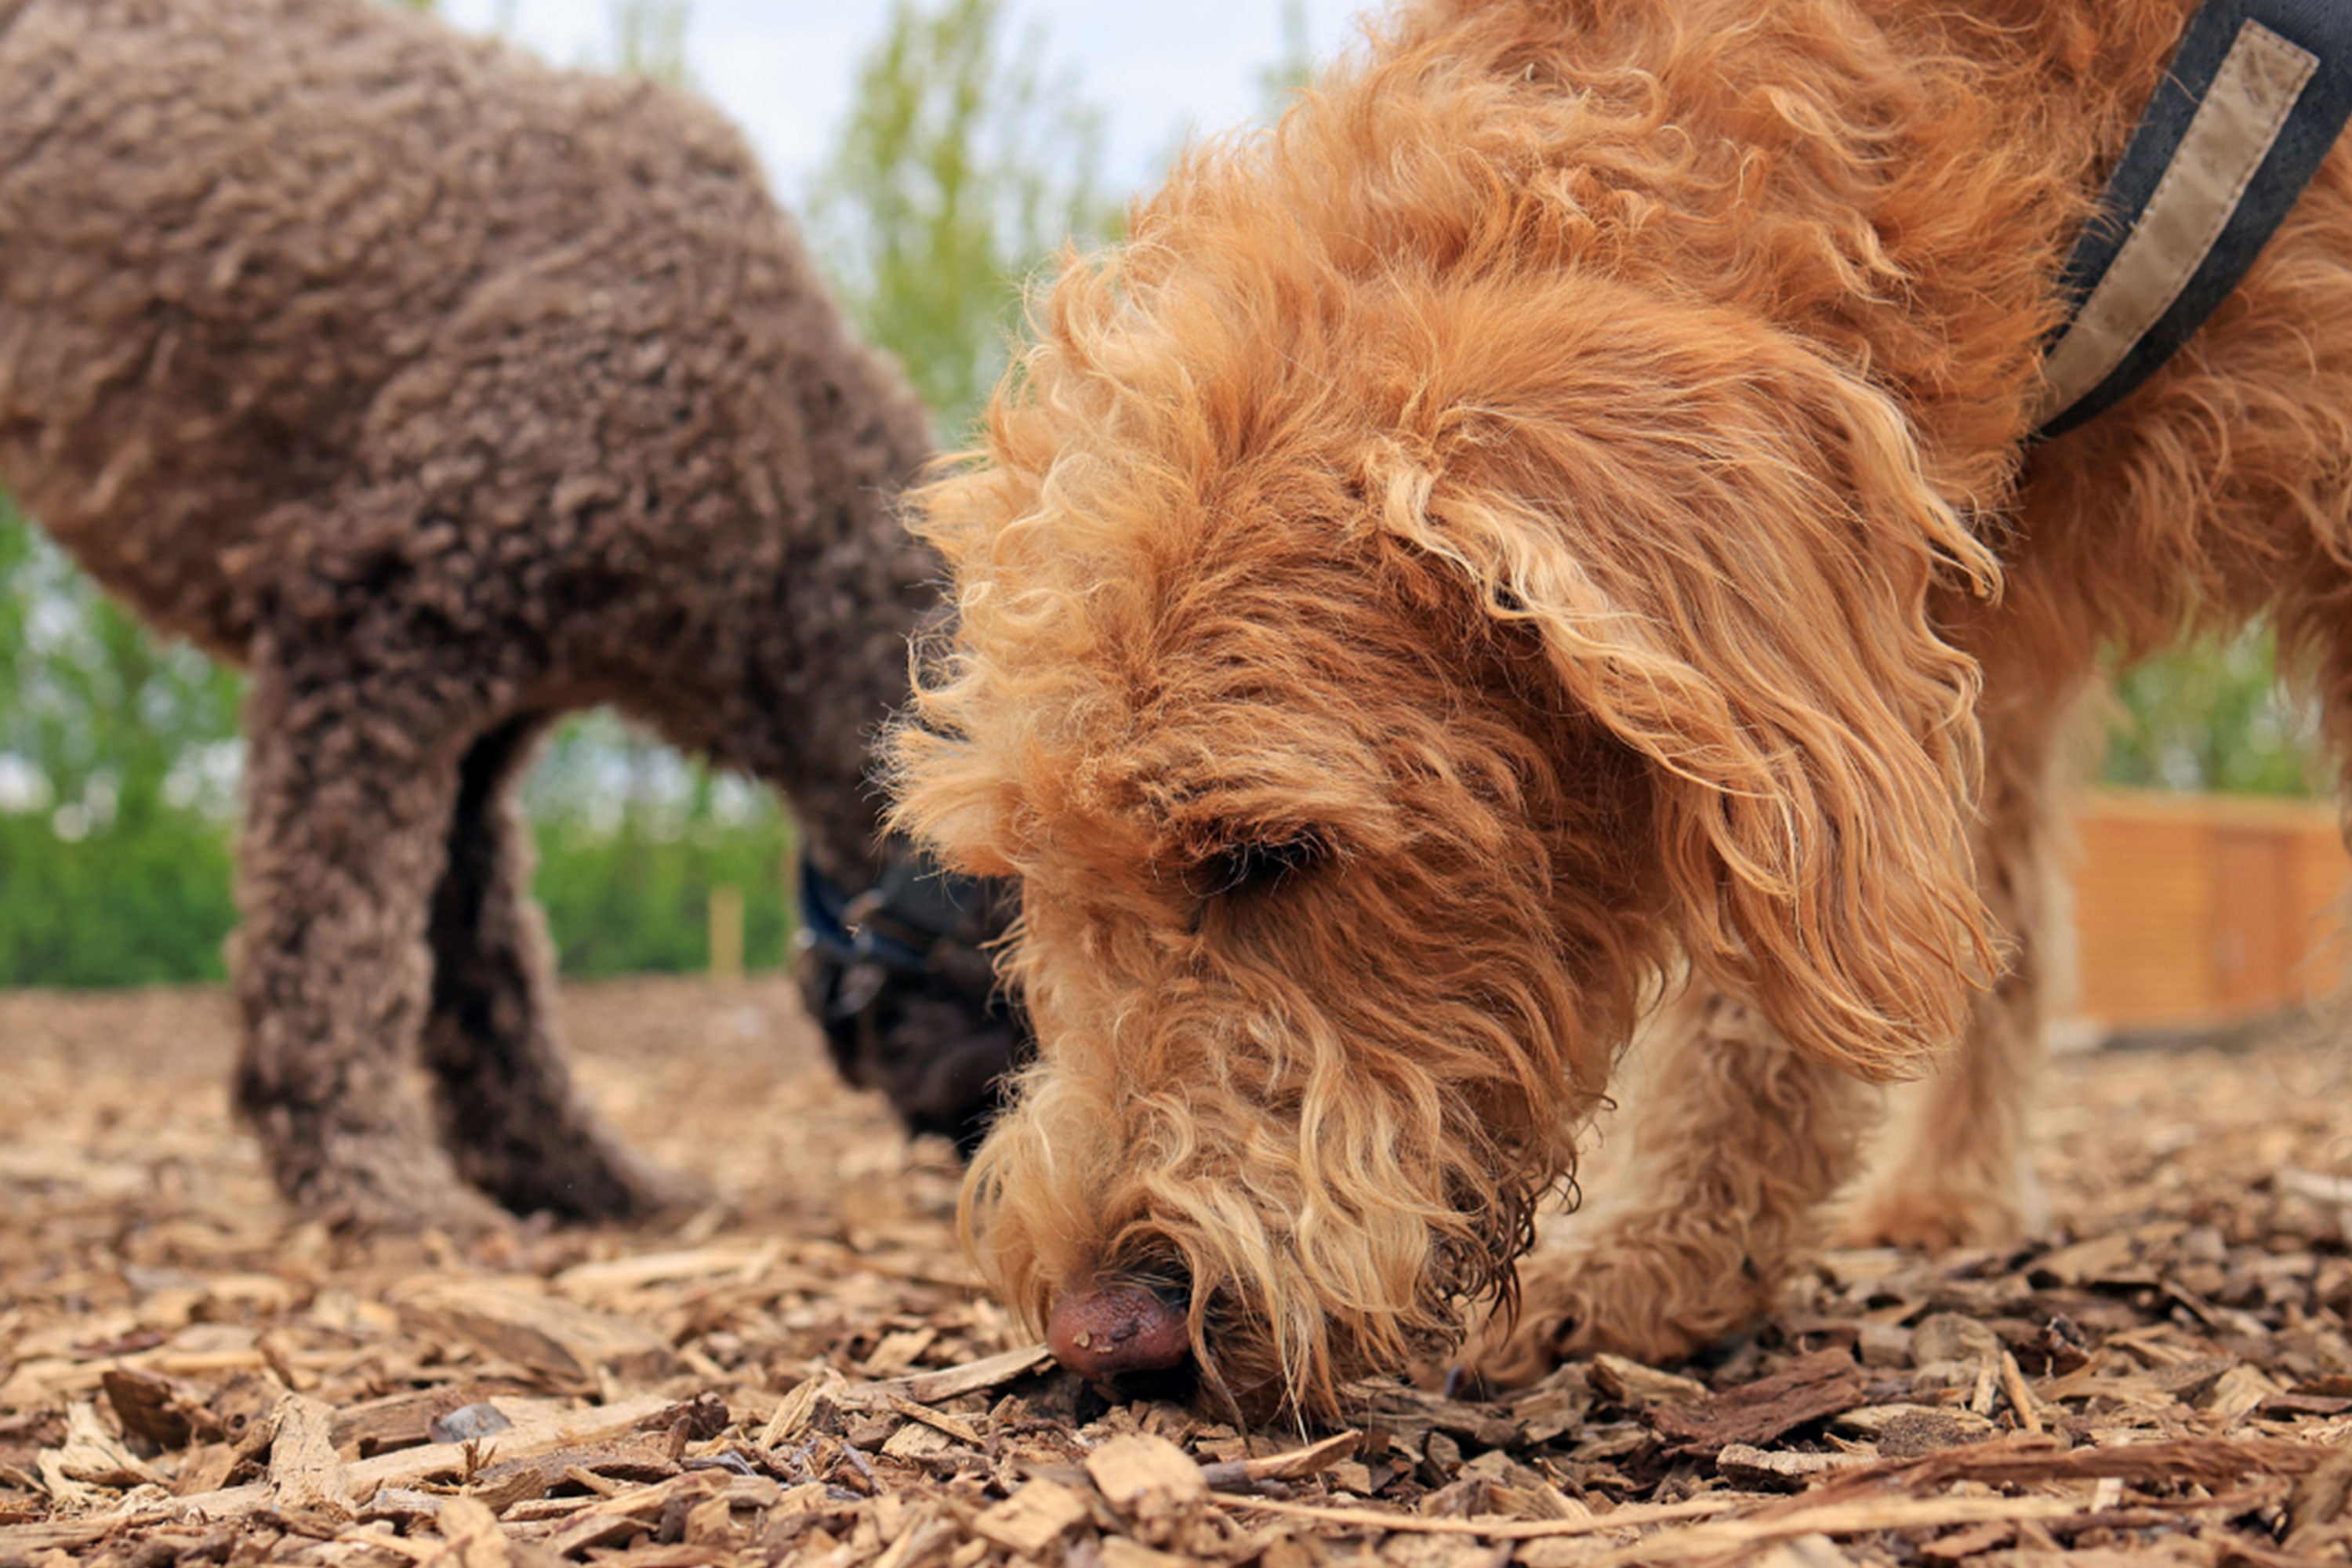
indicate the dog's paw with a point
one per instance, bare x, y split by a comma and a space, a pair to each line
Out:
403, 1192
588, 1178
1575, 1303
1941, 1216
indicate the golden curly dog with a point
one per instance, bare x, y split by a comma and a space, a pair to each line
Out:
1545, 535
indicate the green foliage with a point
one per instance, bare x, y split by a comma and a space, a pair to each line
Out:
118, 759
151, 904
1278, 82
637, 901
106, 721
2211, 715
959, 170
135, 904
100, 725
632, 840
649, 38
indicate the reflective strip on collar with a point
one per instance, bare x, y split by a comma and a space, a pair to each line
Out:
2245, 115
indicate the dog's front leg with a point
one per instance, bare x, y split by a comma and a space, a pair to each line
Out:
349, 791
1960, 1175
503, 1098
1737, 1143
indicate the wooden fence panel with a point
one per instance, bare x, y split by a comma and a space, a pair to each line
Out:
2194, 909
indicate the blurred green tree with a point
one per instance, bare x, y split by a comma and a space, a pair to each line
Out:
959, 170
2212, 714
1279, 81
632, 838
118, 764
649, 39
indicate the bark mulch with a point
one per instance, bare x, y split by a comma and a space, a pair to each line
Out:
805, 1373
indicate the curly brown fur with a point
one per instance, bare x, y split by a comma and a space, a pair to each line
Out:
1551, 518
449, 393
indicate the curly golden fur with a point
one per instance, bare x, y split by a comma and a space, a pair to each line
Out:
1549, 527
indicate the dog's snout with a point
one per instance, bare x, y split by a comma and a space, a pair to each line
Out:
1105, 1330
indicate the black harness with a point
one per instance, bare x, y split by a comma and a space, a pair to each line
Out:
900, 979
896, 926
2245, 115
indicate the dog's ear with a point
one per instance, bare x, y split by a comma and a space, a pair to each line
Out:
1728, 547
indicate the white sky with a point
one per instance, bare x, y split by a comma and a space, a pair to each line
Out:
784, 69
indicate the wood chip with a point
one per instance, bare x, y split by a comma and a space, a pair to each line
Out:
1968, 1540
797, 1409
1630, 1383
1032, 1517
1633, 1516
619, 1275
91, 1456
471, 1536
2097, 1257
2318, 1501
566, 1344
618, 1517
1698, 1543
955, 1426
1951, 1337
2020, 1398
1144, 1472
916, 1442
1756, 1470
1157, 1489
166, 1411
1802, 1552
1915, 1428
1117, 1552
956, 1381
304, 1475
2239, 1391
1296, 1464
2213, 1463
1807, 1389
443, 1461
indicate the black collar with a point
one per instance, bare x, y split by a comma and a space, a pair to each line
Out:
2245, 115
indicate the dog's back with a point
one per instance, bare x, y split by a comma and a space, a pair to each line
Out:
248, 241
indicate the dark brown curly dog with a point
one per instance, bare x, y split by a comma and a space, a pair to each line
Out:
451, 393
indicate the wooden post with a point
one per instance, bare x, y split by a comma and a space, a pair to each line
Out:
727, 933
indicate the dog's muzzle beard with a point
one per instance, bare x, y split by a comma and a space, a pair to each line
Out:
1245, 1325
1133, 1334
1286, 1182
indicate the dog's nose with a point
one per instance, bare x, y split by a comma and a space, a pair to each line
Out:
1105, 1329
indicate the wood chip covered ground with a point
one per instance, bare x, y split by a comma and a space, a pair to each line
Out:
804, 1373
